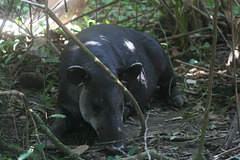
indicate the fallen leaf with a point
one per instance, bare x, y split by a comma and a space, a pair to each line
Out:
80, 149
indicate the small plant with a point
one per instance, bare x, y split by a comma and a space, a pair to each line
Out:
130, 153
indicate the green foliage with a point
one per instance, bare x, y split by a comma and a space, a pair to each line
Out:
132, 150
46, 99
38, 148
188, 116
130, 153
114, 158
7, 48
25, 155
57, 116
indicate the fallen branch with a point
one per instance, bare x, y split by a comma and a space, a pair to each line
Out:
40, 123
205, 69
226, 152
144, 155
66, 150
26, 103
13, 149
183, 34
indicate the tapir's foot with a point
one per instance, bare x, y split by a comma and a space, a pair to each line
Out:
177, 100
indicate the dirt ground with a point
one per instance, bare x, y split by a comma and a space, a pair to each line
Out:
173, 132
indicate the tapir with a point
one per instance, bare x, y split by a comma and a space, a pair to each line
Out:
86, 91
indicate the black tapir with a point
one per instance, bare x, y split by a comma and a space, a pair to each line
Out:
86, 91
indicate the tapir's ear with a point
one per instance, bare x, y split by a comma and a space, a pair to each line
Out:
77, 75
131, 72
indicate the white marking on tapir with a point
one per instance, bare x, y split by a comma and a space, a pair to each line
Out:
129, 45
119, 129
93, 43
142, 78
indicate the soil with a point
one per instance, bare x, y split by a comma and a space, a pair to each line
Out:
173, 132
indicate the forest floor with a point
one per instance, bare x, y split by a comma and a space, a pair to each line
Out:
173, 132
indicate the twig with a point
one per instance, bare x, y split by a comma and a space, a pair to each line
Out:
118, 11
233, 157
205, 69
13, 149
184, 30
226, 152
20, 26
26, 104
144, 155
200, 155
93, 11
29, 47
219, 30
139, 15
231, 132
183, 34
6, 16
53, 139
145, 138
234, 65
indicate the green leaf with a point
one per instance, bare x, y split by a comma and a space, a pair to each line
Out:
172, 137
111, 158
15, 43
57, 116
187, 116
52, 60
192, 61
5, 83
38, 148
174, 148
19, 56
118, 157
132, 151
48, 100
10, 56
206, 46
25, 155
38, 70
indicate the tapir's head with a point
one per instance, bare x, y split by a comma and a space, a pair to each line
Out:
101, 100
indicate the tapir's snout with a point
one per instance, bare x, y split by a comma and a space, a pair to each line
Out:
111, 131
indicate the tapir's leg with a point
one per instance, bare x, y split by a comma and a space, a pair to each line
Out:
168, 86
61, 125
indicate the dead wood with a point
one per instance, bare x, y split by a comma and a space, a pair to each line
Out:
144, 155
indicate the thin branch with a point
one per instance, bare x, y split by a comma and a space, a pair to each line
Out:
204, 69
53, 139
118, 11
184, 30
29, 48
183, 34
93, 11
144, 155
234, 64
200, 155
6, 16
226, 152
